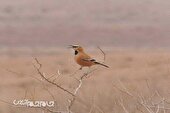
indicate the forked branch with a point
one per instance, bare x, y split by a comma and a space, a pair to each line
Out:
46, 79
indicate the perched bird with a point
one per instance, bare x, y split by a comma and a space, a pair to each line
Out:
83, 59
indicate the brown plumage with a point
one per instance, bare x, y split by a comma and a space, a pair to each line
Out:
83, 59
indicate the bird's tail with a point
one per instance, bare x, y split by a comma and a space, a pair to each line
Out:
101, 64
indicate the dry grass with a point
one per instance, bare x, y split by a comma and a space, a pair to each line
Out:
133, 77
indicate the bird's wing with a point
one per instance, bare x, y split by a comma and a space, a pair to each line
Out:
89, 59
94, 61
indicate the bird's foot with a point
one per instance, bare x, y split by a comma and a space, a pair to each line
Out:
80, 68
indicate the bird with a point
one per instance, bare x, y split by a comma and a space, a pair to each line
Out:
83, 59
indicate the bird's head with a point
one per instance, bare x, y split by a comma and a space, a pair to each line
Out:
76, 48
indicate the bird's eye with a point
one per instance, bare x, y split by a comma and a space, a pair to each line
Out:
75, 46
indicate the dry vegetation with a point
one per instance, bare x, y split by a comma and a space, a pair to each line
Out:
136, 82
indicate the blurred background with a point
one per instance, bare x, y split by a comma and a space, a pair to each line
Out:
134, 34
54, 23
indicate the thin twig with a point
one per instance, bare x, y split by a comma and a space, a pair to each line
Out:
122, 105
43, 76
125, 89
104, 55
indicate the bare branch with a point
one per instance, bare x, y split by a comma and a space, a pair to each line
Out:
104, 55
43, 76
71, 101
50, 80
122, 105
157, 111
99, 109
124, 89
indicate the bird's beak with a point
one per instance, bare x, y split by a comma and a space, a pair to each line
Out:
70, 46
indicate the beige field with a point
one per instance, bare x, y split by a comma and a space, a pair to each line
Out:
138, 81
134, 76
